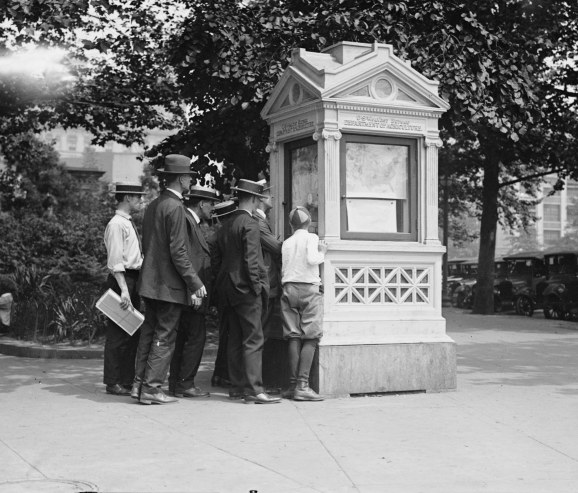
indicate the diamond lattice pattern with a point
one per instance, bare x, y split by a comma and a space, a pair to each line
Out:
382, 285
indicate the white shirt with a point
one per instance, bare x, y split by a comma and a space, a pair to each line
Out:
259, 212
122, 245
179, 195
301, 258
197, 218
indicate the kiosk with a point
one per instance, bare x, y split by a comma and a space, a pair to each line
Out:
354, 138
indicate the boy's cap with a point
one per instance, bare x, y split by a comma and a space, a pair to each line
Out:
299, 216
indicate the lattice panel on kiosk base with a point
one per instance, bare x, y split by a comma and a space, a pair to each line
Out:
383, 285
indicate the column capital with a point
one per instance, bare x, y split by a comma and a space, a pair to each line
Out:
431, 142
271, 147
327, 134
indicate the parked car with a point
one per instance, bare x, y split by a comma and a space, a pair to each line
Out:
455, 275
503, 294
462, 288
560, 293
527, 273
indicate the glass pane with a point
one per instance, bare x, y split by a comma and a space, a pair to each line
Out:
305, 182
377, 188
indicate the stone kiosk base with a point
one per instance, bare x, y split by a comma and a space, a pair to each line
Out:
380, 368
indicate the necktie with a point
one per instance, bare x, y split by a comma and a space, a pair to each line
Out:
137, 236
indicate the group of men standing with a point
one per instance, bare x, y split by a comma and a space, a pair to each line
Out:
172, 271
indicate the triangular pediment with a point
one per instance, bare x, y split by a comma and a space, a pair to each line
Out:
293, 92
384, 87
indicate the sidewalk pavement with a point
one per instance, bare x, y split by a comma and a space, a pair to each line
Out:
510, 427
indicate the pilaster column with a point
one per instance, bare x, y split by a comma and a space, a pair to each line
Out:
276, 218
329, 179
431, 190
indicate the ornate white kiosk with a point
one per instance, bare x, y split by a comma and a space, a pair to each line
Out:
354, 138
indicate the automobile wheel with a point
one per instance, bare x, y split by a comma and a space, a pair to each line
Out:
525, 306
554, 310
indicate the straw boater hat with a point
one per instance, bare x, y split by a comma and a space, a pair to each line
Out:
198, 192
128, 188
177, 164
224, 208
266, 185
250, 187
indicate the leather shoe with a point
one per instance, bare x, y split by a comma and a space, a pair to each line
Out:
192, 392
116, 389
135, 391
261, 398
220, 382
150, 396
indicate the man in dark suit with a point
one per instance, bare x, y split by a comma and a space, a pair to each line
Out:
167, 281
192, 332
271, 247
243, 285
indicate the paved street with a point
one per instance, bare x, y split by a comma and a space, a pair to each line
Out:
510, 427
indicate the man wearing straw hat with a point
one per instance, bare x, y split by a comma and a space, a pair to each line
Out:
167, 282
243, 284
220, 378
192, 333
124, 260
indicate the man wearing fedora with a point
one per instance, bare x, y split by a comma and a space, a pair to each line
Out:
243, 285
168, 281
221, 214
124, 260
191, 335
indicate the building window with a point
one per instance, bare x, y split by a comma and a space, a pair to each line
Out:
71, 142
378, 188
551, 237
552, 213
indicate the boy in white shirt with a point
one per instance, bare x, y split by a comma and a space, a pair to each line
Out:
301, 302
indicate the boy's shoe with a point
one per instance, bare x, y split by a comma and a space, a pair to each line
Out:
306, 394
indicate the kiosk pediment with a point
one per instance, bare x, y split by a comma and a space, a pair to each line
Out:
384, 87
357, 72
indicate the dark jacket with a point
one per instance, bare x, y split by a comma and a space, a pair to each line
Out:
238, 258
271, 247
200, 256
167, 273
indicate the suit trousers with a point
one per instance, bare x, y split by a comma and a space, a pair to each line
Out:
221, 366
157, 341
119, 347
189, 347
245, 347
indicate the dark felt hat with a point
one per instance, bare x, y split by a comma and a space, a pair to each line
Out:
198, 192
250, 187
128, 188
224, 208
177, 164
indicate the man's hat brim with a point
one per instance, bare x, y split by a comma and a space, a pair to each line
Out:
243, 190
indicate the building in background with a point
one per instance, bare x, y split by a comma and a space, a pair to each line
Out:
557, 217
112, 162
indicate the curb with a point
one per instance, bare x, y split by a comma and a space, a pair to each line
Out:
25, 349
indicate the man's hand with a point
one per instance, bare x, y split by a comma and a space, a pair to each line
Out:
201, 292
125, 302
196, 301
322, 246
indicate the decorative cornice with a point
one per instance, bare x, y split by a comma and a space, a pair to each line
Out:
327, 134
377, 109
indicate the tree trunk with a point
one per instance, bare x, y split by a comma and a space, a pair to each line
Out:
484, 299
